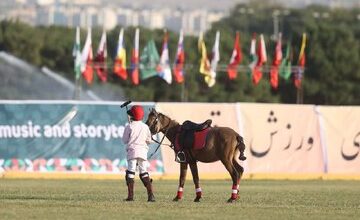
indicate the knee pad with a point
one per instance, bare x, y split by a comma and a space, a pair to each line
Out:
145, 178
129, 177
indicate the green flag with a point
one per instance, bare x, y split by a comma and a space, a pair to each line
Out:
253, 57
149, 60
77, 55
285, 66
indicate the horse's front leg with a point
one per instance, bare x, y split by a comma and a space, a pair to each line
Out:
183, 171
195, 174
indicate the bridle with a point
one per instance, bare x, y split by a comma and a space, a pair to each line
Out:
162, 139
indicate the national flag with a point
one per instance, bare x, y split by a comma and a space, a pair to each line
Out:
285, 67
149, 60
87, 59
253, 56
100, 59
274, 71
262, 58
120, 59
236, 58
179, 60
215, 57
206, 67
301, 63
163, 68
134, 70
204, 62
77, 55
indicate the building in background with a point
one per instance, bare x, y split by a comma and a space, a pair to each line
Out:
192, 16
108, 14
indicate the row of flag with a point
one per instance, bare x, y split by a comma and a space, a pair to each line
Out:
281, 65
150, 64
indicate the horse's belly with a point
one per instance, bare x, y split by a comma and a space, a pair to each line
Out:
205, 156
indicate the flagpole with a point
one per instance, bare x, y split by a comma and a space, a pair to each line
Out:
183, 92
77, 65
77, 91
299, 95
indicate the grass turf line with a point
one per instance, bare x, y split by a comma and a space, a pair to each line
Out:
260, 199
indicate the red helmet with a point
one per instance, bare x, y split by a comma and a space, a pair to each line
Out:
136, 112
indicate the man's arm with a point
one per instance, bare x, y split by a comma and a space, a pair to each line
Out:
126, 135
148, 136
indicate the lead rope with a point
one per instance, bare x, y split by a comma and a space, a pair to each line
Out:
160, 143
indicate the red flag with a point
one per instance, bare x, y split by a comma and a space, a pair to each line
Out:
274, 72
236, 58
262, 58
179, 60
301, 63
135, 60
100, 59
87, 60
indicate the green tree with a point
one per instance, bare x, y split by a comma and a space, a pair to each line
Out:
22, 40
332, 71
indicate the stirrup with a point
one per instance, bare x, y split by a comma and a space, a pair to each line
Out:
180, 157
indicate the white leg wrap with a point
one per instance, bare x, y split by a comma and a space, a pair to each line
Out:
145, 175
180, 189
198, 189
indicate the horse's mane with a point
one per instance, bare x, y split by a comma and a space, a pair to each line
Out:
165, 116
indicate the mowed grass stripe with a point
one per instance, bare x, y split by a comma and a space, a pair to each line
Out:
103, 199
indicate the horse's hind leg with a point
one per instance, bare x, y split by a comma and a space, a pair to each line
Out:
240, 171
234, 176
183, 171
195, 174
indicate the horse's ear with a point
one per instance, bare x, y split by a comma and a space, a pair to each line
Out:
153, 110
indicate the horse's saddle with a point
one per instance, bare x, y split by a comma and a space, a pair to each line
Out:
192, 135
192, 126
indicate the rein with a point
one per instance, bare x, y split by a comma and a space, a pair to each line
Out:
160, 143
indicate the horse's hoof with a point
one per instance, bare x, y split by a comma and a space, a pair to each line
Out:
231, 200
197, 199
151, 198
176, 199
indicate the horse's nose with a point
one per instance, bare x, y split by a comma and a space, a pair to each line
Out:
152, 132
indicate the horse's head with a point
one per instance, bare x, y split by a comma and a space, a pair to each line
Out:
153, 121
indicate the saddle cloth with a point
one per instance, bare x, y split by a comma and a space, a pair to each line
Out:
191, 139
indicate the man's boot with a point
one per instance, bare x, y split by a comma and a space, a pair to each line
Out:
130, 184
148, 184
149, 188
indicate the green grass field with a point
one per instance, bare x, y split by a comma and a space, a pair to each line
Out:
103, 199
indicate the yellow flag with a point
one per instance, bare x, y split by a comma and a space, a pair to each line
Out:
204, 62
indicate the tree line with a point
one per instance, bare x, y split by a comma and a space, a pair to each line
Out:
332, 71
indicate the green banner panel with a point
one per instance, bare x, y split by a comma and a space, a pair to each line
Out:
66, 136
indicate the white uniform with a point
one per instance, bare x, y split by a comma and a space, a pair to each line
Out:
137, 136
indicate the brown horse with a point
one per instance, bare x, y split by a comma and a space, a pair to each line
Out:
222, 143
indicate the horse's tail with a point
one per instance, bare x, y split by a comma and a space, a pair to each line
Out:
241, 146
